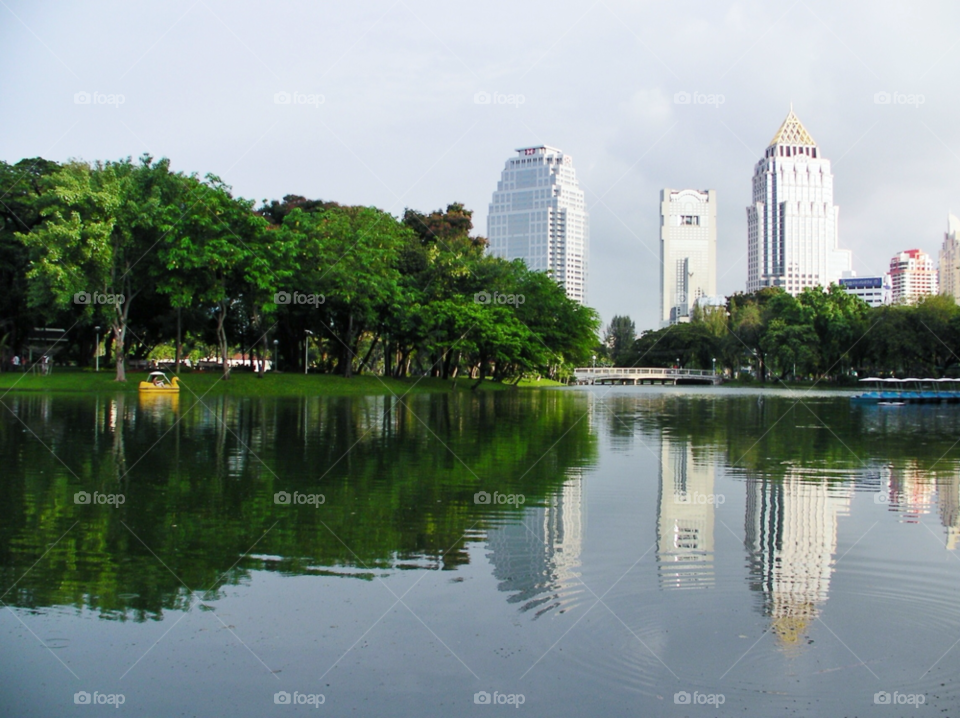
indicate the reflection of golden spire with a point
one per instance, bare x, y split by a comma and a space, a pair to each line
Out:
792, 626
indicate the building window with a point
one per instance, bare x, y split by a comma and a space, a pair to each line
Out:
690, 219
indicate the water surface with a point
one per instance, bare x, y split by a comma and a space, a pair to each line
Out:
788, 554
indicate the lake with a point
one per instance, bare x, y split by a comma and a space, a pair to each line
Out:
607, 551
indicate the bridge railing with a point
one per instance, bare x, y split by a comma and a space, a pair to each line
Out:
608, 371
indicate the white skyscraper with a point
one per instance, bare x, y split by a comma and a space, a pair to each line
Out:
950, 259
792, 224
538, 215
688, 251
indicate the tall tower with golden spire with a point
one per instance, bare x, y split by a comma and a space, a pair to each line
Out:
792, 224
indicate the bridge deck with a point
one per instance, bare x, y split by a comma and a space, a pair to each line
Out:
643, 375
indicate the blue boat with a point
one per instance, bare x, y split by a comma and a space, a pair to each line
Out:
896, 392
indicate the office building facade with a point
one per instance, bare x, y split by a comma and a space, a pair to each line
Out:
912, 276
538, 215
792, 223
949, 265
688, 251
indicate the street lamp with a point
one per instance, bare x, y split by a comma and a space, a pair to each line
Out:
714, 365
275, 342
306, 349
97, 351
594, 361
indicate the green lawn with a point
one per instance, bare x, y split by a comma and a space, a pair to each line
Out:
247, 384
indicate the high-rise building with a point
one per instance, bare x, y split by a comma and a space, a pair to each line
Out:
688, 251
875, 291
950, 259
792, 223
538, 215
912, 275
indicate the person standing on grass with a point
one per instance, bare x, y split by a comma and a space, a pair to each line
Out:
15, 361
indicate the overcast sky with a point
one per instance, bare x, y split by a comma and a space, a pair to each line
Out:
387, 113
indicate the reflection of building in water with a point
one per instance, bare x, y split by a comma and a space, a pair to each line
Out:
791, 538
538, 560
909, 490
948, 497
685, 518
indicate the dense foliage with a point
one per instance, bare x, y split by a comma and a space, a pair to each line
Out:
818, 334
345, 289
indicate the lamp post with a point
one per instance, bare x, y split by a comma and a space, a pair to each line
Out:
275, 342
714, 366
97, 351
306, 349
594, 361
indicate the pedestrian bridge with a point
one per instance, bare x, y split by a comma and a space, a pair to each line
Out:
643, 375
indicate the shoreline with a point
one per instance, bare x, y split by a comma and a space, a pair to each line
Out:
248, 384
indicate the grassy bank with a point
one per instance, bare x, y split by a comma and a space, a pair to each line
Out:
247, 384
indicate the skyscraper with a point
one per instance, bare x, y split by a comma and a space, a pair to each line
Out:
538, 215
950, 259
792, 223
688, 251
912, 276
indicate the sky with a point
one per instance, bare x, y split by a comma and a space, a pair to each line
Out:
382, 107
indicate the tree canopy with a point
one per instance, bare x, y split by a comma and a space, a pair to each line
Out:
345, 289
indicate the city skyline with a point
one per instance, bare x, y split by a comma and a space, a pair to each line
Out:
376, 119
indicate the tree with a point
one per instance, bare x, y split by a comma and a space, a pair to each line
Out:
619, 338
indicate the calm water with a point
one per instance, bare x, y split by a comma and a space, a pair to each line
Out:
763, 555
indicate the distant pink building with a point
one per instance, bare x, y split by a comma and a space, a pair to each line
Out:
913, 274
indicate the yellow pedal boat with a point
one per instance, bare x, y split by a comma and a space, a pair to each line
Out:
157, 383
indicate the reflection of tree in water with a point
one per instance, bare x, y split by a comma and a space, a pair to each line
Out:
398, 478
537, 560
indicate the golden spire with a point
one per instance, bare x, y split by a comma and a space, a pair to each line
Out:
792, 132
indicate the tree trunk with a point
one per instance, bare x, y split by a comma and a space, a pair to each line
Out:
366, 358
119, 338
176, 364
345, 351
222, 339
